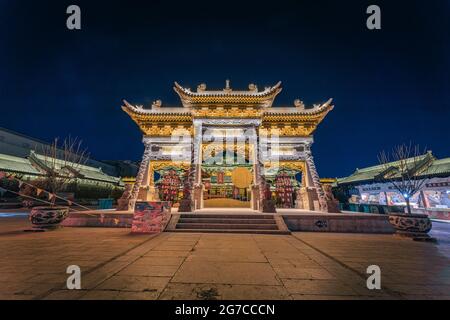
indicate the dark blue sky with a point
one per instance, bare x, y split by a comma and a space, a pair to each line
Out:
389, 86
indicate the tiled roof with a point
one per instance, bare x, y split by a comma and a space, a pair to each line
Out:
437, 167
35, 161
17, 164
86, 172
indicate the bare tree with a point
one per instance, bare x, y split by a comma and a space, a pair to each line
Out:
61, 163
404, 170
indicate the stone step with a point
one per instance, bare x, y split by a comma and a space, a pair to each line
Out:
249, 231
228, 223
226, 226
226, 216
226, 220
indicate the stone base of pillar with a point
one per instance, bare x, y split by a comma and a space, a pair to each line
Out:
123, 204
255, 197
124, 200
185, 205
299, 200
332, 203
198, 197
309, 199
143, 193
153, 194
148, 193
131, 204
268, 206
333, 206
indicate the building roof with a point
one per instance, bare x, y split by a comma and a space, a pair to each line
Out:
426, 163
19, 145
441, 166
82, 171
228, 103
37, 165
17, 165
251, 96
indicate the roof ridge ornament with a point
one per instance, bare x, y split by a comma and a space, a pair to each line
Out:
252, 87
227, 86
201, 87
323, 105
157, 104
299, 104
134, 108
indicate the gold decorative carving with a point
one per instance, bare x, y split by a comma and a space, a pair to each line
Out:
165, 130
298, 165
287, 130
227, 112
161, 164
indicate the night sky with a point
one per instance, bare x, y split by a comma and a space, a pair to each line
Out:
389, 86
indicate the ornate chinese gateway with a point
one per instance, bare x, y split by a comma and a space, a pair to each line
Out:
238, 149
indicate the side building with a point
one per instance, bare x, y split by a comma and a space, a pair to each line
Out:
365, 190
19, 155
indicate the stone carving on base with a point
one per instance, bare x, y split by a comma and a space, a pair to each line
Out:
150, 216
48, 217
413, 226
124, 201
332, 203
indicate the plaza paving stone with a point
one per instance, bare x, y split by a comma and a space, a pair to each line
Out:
118, 265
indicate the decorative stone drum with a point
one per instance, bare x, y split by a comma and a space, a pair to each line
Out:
48, 217
414, 225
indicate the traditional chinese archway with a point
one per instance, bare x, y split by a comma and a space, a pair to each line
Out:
241, 123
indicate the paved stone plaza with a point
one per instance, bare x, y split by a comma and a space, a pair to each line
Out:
117, 265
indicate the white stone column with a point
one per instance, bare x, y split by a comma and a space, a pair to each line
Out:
143, 169
311, 168
198, 188
255, 192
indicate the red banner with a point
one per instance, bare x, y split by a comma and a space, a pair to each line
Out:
220, 176
150, 216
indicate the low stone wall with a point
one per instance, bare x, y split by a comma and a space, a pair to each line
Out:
320, 222
96, 219
352, 223
434, 213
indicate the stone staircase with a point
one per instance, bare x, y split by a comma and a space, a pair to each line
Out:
228, 223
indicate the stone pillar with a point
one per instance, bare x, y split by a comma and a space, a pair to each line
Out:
312, 171
198, 186
152, 192
198, 197
147, 190
143, 193
256, 185
143, 168
255, 197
